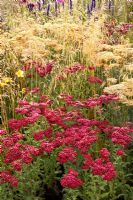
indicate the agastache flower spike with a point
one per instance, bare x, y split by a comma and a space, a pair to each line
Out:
88, 10
48, 9
39, 5
56, 7
30, 7
110, 4
43, 2
93, 5
71, 6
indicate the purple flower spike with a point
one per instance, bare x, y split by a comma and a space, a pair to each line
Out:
39, 5
48, 9
110, 4
71, 5
63, 5
30, 7
93, 5
43, 2
56, 7
88, 10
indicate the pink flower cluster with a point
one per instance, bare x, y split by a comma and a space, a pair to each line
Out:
120, 135
67, 130
104, 169
91, 102
67, 154
41, 69
71, 180
93, 79
70, 70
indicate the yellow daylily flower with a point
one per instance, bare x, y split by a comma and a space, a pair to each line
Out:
20, 74
2, 84
23, 90
7, 80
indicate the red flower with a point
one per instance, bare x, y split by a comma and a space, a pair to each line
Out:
88, 162
2, 132
67, 154
47, 146
120, 152
26, 157
71, 180
93, 79
92, 68
17, 165
104, 154
38, 135
7, 177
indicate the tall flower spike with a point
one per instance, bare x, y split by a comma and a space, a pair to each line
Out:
39, 5
71, 5
93, 5
110, 4
48, 9
56, 7
43, 2
88, 10
30, 7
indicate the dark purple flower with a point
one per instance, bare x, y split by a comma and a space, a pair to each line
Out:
110, 4
48, 9
30, 7
71, 5
43, 2
88, 10
39, 5
93, 5
56, 7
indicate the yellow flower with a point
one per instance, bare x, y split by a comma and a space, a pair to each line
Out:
2, 84
20, 74
23, 90
7, 80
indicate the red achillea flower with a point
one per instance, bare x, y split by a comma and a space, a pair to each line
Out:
93, 79
15, 124
48, 133
92, 68
104, 154
26, 67
71, 180
110, 172
98, 167
73, 69
13, 154
35, 90
38, 135
105, 170
121, 136
66, 155
32, 150
23, 102
47, 146
1, 149
53, 118
7, 177
17, 165
44, 70
26, 157
120, 152
2, 132
88, 162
